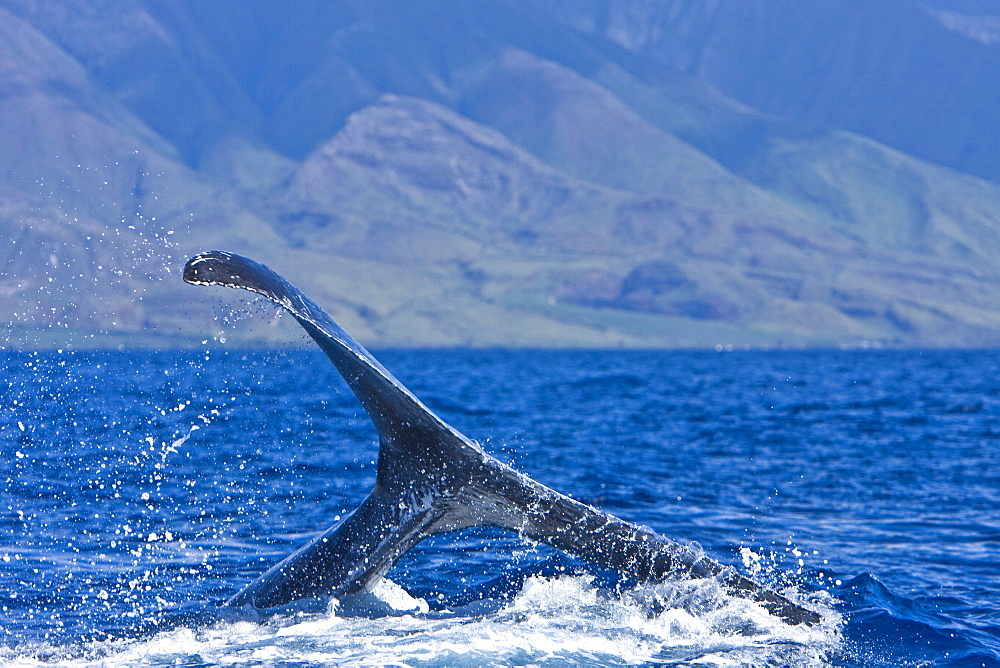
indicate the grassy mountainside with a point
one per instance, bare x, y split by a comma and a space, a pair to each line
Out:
457, 173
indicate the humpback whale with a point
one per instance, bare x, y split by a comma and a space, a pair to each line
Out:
432, 479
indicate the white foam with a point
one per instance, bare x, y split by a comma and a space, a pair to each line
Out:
564, 620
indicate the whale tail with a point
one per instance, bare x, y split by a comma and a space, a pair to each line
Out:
431, 479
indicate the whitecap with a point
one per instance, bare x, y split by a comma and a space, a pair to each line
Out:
551, 621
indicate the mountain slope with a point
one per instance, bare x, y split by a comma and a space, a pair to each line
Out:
922, 77
466, 173
411, 184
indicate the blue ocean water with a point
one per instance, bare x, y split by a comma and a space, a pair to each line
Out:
142, 488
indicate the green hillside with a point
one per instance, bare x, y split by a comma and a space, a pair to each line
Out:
453, 175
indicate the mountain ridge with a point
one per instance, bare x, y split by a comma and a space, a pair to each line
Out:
472, 174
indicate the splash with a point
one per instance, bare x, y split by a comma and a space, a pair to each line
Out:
551, 621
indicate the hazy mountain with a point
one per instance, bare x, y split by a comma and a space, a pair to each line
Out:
922, 77
507, 172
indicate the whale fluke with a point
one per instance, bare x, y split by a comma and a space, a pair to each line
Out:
431, 479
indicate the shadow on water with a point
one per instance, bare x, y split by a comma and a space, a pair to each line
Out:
883, 628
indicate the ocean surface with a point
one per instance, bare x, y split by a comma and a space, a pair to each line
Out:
140, 489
